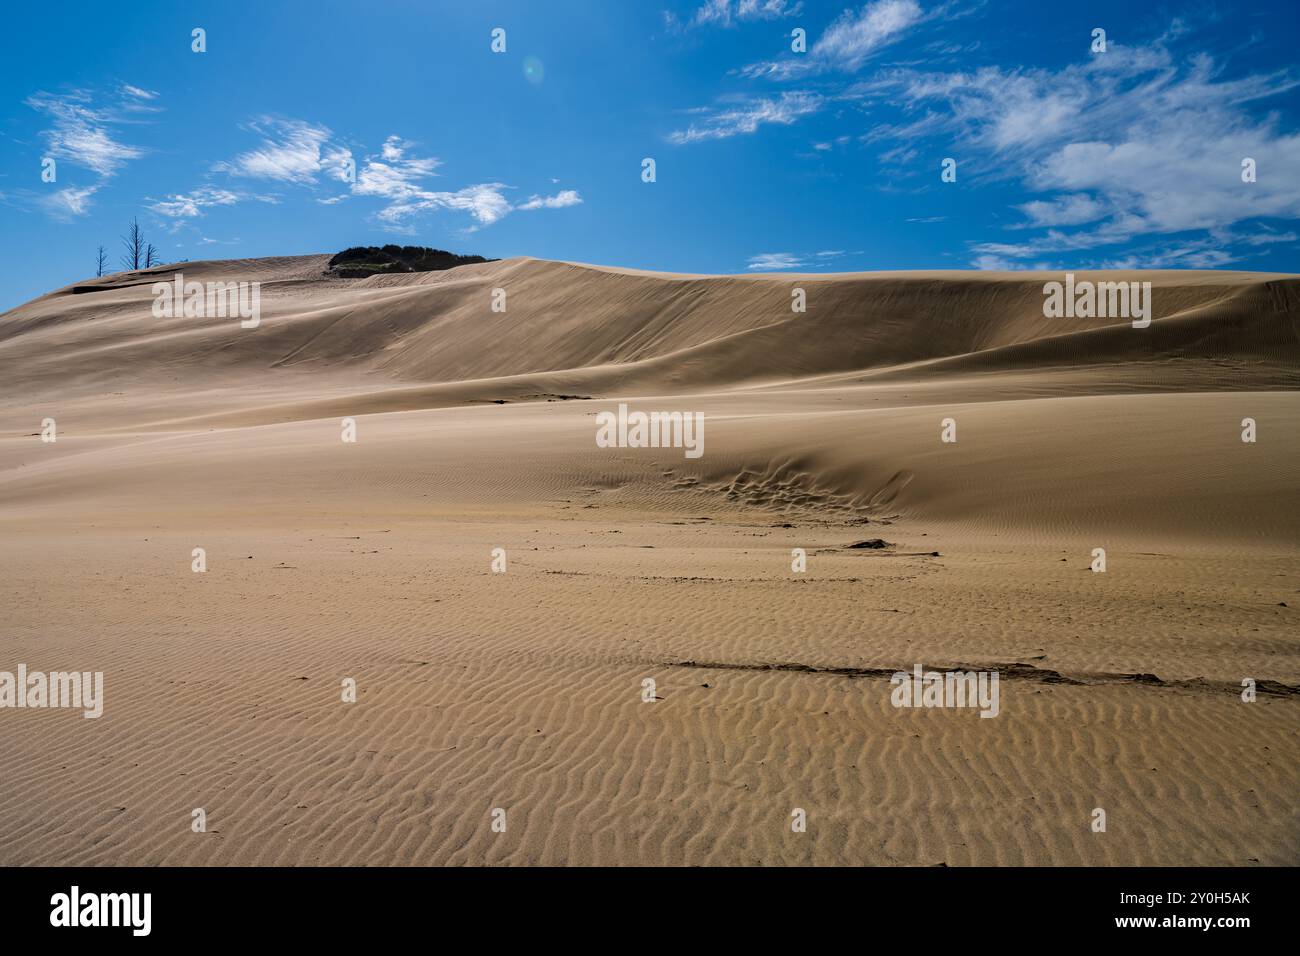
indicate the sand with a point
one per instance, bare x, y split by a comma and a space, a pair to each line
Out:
523, 691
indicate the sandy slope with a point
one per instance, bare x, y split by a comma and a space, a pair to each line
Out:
523, 690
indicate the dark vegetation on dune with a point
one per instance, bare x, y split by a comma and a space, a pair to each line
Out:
361, 261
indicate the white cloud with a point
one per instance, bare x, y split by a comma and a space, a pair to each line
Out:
991, 263
1266, 237
726, 13
1124, 144
565, 197
1179, 257
853, 37
291, 152
338, 163
767, 9
394, 175
137, 93
748, 117
774, 261
849, 41
398, 177
80, 136
1210, 252
484, 201
69, 202
1072, 209
80, 133
713, 11
304, 154
191, 205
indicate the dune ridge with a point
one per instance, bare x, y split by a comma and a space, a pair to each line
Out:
641, 329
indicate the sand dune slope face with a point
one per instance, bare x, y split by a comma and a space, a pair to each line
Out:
523, 689
651, 331
803, 406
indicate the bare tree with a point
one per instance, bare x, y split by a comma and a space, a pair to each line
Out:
151, 257
103, 259
134, 244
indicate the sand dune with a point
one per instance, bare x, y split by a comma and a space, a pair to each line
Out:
648, 331
476, 430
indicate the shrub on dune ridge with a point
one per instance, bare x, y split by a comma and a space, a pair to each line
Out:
360, 261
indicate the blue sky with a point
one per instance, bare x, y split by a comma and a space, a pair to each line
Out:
825, 160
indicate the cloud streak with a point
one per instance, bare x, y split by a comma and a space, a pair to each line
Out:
848, 42
747, 117
291, 152
774, 261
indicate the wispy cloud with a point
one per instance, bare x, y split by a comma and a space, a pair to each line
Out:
135, 99
748, 117
80, 133
1070, 134
988, 262
814, 261
844, 46
69, 202
848, 42
291, 152
1213, 251
191, 205
774, 261
854, 36
726, 13
81, 136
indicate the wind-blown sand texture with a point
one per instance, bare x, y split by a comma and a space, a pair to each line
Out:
522, 690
